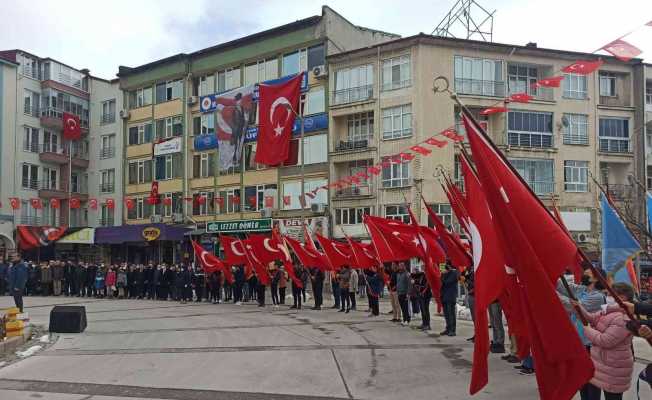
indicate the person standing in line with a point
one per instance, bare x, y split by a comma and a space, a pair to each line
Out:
17, 279
149, 282
402, 289
345, 277
424, 294
110, 281
57, 277
305, 278
90, 279
497, 328
467, 280
375, 282
121, 282
157, 276
81, 279
46, 279
449, 282
33, 278
260, 292
296, 290
317, 278
335, 285
214, 286
186, 280
393, 296
282, 283
276, 276
239, 277
141, 282
99, 281
178, 284
353, 287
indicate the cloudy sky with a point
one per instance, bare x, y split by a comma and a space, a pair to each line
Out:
100, 35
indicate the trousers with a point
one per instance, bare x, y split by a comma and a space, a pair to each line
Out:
395, 306
403, 301
18, 298
450, 317
425, 310
496, 319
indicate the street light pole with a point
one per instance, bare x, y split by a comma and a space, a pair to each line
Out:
299, 115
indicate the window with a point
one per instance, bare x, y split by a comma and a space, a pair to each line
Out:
315, 101
140, 171
577, 129
51, 142
538, 173
576, 176
607, 84
316, 149
296, 62
260, 71
530, 129
106, 216
316, 56
396, 72
321, 195
250, 157
483, 77
108, 111
399, 213
107, 180
360, 127
445, 213
255, 196
30, 176
396, 174
108, 146
292, 192
351, 216
397, 122
353, 84
140, 97
203, 165
79, 182
169, 127
614, 135
231, 200
228, 79
140, 134
648, 93
483, 120
141, 210
31, 103
207, 85
175, 207
169, 90
207, 207
207, 124
521, 79
168, 166
575, 86
49, 215
49, 179
30, 139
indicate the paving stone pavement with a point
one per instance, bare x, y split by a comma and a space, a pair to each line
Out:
151, 350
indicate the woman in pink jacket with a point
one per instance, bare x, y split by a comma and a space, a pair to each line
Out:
611, 348
110, 282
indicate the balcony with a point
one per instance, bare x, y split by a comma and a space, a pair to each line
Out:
352, 95
52, 154
542, 188
615, 101
362, 190
108, 187
357, 143
30, 183
53, 118
107, 118
542, 93
79, 158
614, 146
620, 192
32, 110
32, 220
479, 87
50, 190
107, 152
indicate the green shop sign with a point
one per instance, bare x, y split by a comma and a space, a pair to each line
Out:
243, 225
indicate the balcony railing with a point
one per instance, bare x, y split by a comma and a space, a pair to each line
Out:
80, 188
107, 221
57, 113
351, 95
107, 187
542, 188
619, 191
107, 152
541, 93
80, 154
615, 101
32, 110
614, 146
30, 183
355, 191
33, 147
48, 185
355, 143
52, 148
480, 87
108, 118
30, 220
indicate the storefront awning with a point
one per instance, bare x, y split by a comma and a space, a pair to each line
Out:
82, 236
139, 233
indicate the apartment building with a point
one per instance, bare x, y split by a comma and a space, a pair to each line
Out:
170, 139
381, 102
37, 162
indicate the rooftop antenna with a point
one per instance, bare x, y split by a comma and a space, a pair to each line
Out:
467, 20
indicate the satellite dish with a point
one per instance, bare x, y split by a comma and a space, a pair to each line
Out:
564, 121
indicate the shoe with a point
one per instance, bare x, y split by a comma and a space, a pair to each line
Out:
497, 348
518, 366
293, 307
346, 312
451, 334
405, 323
336, 306
505, 357
341, 310
526, 371
395, 320
425, 329
238, 303
512, 359
444, 333
318, 308
471, 339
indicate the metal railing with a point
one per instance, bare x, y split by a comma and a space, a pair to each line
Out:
52, 112
33, 147
354, 191
30, 220
614, 145
480, 87
48, 185
392, 85
541, 93
107, 152
80, 188
108, 118
32, 110
30, 183
619, 191
79, 153
355, 143
52, 148
107, 221
396, 183
542, 187
107, 187
351, 95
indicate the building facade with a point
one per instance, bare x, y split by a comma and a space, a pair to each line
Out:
38, 163
564, 142
162, 106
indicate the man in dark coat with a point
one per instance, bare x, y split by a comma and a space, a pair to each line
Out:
239, 277
317, 277
140, 282
91, 270
17, 279
449, 278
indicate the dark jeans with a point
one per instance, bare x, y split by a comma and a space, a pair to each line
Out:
352, 297
237, 292
415, 305
345, 300
424, 303
318, 293
594, 393
275, 294
3, 286
18, 298
261, 294
336, 294
281, 295
584, 390
296, 296
403, 301
373, 304
449, 315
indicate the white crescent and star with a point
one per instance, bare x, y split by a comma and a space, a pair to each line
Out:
280, 100
476, 242
337, 250
268, 247
235, 251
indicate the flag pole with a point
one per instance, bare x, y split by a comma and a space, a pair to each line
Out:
441, 84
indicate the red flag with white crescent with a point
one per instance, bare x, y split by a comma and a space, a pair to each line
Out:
211, 263
15, 203
71, 127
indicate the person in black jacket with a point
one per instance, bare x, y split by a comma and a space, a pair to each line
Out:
186, 281
423, 294
90, 280
150, 285
178, 284
317, 277
239, 276
17, 279
3, 277
449, 278
140, 282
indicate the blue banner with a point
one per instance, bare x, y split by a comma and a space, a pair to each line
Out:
312, 123
205, 142
648, 200
618, 244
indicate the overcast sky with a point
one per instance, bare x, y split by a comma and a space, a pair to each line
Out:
100, 35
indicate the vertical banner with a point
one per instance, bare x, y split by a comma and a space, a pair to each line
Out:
236, 109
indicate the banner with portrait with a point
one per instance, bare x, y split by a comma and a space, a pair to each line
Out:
236, 110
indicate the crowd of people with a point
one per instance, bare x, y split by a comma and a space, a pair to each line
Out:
603, 326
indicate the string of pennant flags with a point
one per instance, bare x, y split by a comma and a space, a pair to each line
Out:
619, 48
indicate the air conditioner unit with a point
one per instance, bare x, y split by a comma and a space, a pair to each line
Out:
318, 207
124, 114
156, 219
177, 218
584, 238
192, 100
319, 71
266, 213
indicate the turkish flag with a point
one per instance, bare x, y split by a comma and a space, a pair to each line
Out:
37, 204
451, 134
436, 142
489, 271
130, 203
553, 81
364, 255
520, 98
306, 256
540, 251
421, 150
256, 263
14, 202
582, 67
493, 110
110, 204
269, 201
75, 203
252, 201
92, 204
374, 170
457, 200
405, 156
220, 200
287, 200
153, 194
269, 249
233, 250
200, 200
167, 201
454, 248
55, 203
210, 263
337, 254
622, 50
278, 104
235, 200
71, 127
393, 240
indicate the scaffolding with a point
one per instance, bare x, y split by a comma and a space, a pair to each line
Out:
469, 20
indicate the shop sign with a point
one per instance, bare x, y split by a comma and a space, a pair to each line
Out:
151, 233
243, 225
